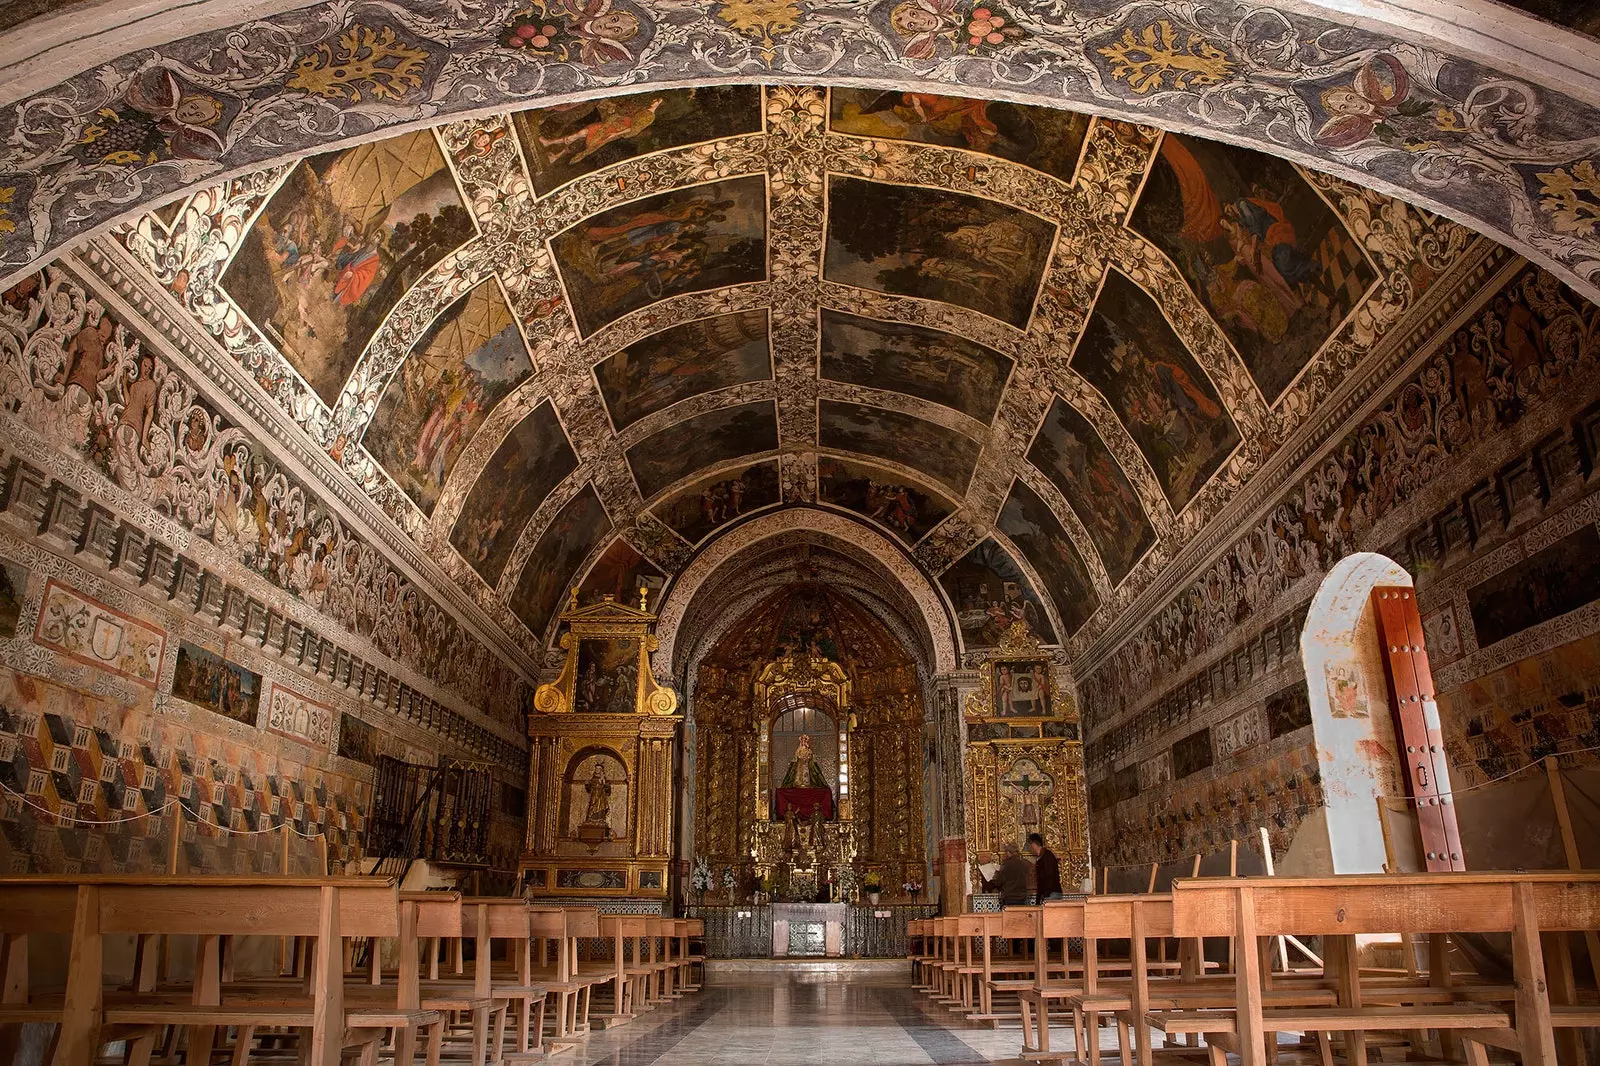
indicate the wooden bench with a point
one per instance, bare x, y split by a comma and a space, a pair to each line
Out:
1340, 908
624, 931
322, 910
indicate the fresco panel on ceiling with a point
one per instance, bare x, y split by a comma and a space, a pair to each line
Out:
686, 360
705, 440
1130, 353
533, 459
1265, 254
937, 366
943, 454
338, 244
688, 240
1043, 138
469, 360
714, 501
1071, 454
576, 531
881, 495
906, 240
570, 140
1038, 535
991, 594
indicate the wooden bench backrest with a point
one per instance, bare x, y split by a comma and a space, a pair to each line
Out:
266, 908
693, 926
45, 908
971, 924
1336, 906
583, 921
547, 923
1064, 919
1112, 917
438, 913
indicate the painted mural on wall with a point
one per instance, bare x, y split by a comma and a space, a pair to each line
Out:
1043, 138
468, 362
1547, 584
299, 717
1170, 407
1512, 717
687, 240
619, 573
570, 140
686, 360
1071, 454
81, 755
908, 509
718, 436
907, 240
88, 631
533, 459
13, 587
577, 530
709, 504
1261, 249
90, 388
942, 454
1533, 344
991, 594
1038, 535
206, 679
338, 245
937, 366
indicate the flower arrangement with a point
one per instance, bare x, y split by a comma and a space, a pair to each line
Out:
700, 874
873, 882
912, 888
728, 880
847, 883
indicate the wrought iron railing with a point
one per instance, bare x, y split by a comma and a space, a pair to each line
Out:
744, 931
439, 813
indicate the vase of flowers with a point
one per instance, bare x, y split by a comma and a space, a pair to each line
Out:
700, 878
873, 883
912, 889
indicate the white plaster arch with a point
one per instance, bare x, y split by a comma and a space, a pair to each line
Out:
681, 593
1352, 728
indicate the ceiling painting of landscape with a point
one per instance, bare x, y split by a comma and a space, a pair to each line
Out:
620, 573
881, 495
469, 361
703, 441
686, 360
937, 366
1071, 454
1262, 250
337, 246
570, 140
906, 240
533, 459
942, 454
991, 594
1039, 137
577, 530
1131, 354
688, 240
715, 501
1038, 535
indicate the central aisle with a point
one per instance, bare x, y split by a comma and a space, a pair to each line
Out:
799, 1019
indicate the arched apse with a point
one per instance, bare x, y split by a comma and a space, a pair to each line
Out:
702, 574
1461, 125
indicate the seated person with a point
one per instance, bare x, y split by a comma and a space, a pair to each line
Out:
1011, 880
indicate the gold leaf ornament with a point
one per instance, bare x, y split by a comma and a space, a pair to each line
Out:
367, 60
1572, 198
1155, 57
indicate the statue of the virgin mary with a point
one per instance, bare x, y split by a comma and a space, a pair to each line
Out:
803, 769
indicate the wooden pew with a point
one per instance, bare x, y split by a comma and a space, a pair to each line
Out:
1003, 981
1062, 921
623, 931
325, 910
1339, 909
688, 931
556, 932
510, 920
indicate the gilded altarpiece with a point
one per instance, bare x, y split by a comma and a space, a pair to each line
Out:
1024, 759
600, 762
805, 766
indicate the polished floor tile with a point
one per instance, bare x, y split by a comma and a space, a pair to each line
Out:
802, 1020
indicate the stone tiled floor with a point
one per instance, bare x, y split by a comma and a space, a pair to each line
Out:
799, 1019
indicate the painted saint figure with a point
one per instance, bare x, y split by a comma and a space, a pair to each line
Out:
598, 811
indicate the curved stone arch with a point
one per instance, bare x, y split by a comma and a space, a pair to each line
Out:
827, 525
1462, 167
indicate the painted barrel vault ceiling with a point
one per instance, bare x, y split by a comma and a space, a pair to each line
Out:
1041, 352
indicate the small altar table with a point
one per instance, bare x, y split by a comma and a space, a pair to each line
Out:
808, 929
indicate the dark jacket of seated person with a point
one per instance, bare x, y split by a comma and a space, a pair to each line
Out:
1011, 880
